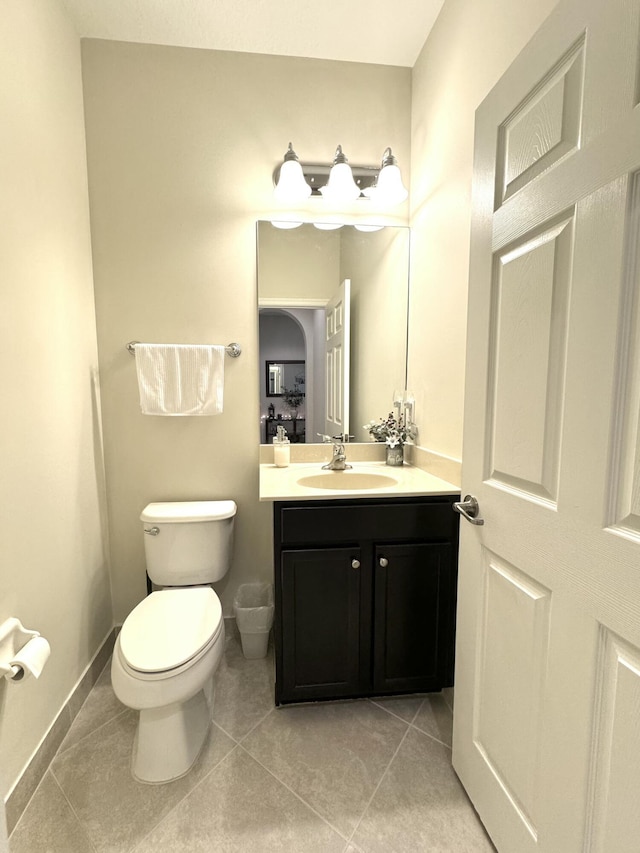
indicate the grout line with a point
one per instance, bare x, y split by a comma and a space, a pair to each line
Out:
61, 751
295, 794
190, 791
81, 823
393, 714
366, 808
247, 733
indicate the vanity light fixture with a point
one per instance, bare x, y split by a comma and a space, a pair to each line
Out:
338, 182
327, 226
363, 227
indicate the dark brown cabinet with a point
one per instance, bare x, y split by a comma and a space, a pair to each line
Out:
365, 597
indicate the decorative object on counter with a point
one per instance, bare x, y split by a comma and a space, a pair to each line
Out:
395, 433
281, 449
271, 409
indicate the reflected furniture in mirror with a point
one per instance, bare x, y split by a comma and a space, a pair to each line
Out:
294, 427
299, 272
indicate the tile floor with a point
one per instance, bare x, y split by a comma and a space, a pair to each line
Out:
350, 777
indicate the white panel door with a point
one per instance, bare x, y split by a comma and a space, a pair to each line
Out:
337, 361
547, 691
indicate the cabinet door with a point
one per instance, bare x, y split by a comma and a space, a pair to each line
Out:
321, 649
414, 601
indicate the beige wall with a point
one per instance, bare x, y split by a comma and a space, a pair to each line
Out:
53, 568
470, 47
181, 147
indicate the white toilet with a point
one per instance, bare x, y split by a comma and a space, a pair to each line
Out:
170, 645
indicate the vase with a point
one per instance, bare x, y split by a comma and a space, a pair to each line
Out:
395, 455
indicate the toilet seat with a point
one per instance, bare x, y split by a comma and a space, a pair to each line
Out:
169, 629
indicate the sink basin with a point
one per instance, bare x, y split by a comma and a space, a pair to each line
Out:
356, 480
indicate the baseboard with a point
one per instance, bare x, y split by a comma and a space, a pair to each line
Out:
26, 785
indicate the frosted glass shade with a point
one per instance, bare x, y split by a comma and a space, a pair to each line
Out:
291, 187
389, 188
341, 187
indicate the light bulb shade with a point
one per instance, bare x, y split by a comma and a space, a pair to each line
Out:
291, 187
390, 189
285, 224
340, 187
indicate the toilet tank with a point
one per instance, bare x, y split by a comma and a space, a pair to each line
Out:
188, 542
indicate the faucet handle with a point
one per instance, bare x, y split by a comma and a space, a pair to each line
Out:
343, 437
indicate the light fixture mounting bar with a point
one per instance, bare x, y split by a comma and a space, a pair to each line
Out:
317, 175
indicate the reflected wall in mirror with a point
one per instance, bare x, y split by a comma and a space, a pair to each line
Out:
299, 272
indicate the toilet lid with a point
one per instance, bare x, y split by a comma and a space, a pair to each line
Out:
169, 627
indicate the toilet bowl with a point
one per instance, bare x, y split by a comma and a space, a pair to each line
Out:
171, 644
163, 665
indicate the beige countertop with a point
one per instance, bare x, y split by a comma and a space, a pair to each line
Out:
302, 481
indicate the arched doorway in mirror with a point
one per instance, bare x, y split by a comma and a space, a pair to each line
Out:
291, 372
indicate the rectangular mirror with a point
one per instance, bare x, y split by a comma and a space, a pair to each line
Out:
300, 271
283, 376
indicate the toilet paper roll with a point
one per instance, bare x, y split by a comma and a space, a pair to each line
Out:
30, 660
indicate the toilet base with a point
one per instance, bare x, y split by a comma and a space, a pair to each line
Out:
169, 739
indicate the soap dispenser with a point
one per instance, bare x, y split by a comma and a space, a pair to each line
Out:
281, 448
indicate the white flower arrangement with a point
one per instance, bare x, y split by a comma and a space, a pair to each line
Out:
392, 431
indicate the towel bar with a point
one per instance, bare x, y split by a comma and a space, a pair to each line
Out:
232, 350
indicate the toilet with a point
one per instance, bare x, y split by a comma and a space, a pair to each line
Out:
170, 645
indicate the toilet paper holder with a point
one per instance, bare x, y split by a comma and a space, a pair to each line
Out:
14, 656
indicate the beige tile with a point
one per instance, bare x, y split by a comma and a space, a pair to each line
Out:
100, 707
115, 810
435, 718
421, 806
405, 707
333, 755
49, 824
244, 689
240, 807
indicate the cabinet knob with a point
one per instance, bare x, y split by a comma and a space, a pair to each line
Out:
384, 562
355, 564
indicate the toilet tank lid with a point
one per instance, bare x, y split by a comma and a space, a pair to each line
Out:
182, 511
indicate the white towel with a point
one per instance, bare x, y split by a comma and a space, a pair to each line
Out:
180, 379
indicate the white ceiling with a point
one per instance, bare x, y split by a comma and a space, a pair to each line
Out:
387, 32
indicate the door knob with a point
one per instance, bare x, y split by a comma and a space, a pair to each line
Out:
384, 562
355, 564
469, 509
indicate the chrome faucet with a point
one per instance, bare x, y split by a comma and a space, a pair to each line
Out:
339, 459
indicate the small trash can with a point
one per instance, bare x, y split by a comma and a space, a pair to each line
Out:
253, 609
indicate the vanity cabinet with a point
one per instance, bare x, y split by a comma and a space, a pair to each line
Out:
365, 597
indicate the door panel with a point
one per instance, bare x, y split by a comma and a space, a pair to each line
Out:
512, 651
546, 732
625, 473
338, 360
528, 340
614, 820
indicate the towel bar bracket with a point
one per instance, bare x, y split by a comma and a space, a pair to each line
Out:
232, 350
